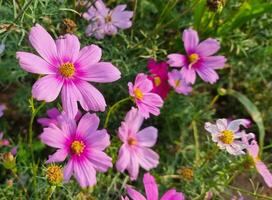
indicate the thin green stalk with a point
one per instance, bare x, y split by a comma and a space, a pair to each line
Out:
112, 108
197, 147
249, 193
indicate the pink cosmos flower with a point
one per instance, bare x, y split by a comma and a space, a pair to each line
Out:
135, 151
105, 21
228, 135
199, 58
2, 108
178, 83
253, 150
83, 144
147, 101
159, 77
67, 69
53, 115
152, 193
3, 142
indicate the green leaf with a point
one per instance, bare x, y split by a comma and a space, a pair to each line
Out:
198, 13
253, 111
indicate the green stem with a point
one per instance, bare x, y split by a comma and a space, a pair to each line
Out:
250, 193
197, 147
112, 108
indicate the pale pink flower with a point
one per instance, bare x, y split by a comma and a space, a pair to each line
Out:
178, 83
228, 135
104, 21
82, 144
67, 69
199, 58
151, 191
2, 108
253, 150
146, 101
136, 149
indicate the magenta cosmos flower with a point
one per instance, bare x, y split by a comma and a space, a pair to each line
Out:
228, 135
53, 115
83, 145
199, 58
253, 150
177, 81
152, 193
159, 77
67, 69
104, 21
146, 101
135, 151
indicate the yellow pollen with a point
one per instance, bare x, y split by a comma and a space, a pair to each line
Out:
177, 83
138, 94
77, 147
67, 70
132, 141
157, 81
227, 137
193, 57
108, 18
54, 174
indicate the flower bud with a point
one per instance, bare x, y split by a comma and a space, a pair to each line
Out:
54, 174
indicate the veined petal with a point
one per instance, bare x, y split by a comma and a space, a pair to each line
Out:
88, 56
98, 140
208, 47
207, 74
147, 158
151, 187
188, 74
190, 40
176, 60
54, 137
68, 170
88, 124
147, 137
235, 124
123, 159
135, 195
58, 156
100, 160
215, 62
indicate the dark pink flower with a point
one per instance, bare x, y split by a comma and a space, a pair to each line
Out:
67, 70
146, 101
199, 58
3, 142
151, 191
159, 77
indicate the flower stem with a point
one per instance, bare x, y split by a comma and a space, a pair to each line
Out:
112, 108
197, 147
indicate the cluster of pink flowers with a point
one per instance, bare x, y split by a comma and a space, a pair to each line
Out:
104, 21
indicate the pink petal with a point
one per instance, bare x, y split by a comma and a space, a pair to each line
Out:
102, 72
88, 56
133, 167
134, 120
147, 158
123, 132
211, 128
189, 75
68, 170
67, 125
208, 47
176, 60
68, 47
147, 137
151, 188
34, 64
173, 195
47, 88
123, 159
207, 74
59, 156
134, 194
54, 137
43, 43
88, 124
101, 8
190, 40
215, 62
98, 140
222, 124
266, 174
53, 113
92, 99
110, 29
100, 161
235, 124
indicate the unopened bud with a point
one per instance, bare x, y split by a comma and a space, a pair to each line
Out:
54, 174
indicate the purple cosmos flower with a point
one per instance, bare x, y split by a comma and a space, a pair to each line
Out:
228, 135
3, 142
178, 83
2, 108
104, 21
146, 101
152, 193
135, 151
253, 150
159, 77
82, 144
53, 115
67, 69
199, 58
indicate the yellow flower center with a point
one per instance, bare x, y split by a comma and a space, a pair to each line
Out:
227, 137
132, 141
138, 94
54, 174
67, 70
177, 83
157, 81
77, 147
108, 18
193, 57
